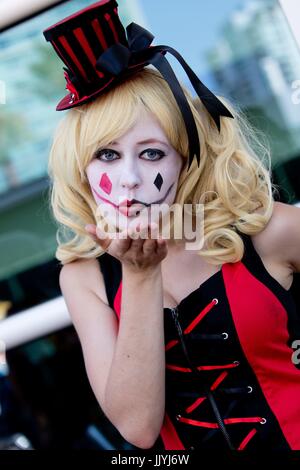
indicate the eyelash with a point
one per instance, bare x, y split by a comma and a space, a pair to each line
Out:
99, 153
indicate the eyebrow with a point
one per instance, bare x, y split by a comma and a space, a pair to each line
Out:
147, 141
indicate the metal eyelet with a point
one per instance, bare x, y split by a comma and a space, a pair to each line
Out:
225, 335
250, 389
263, 421
216, 301
236, 362
72, 98
178, 417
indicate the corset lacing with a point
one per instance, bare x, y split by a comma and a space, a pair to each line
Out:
214, 389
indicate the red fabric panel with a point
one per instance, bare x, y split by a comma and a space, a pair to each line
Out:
99, 32
69, 50
261, 323
87, 49
169, 435
117, 301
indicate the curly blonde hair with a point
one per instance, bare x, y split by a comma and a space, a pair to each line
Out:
232, 181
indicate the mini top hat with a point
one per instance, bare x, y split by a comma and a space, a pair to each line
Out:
98, 54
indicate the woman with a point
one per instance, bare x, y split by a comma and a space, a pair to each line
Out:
184, 348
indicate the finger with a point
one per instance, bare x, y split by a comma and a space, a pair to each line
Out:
153, 230
136, 246
103, 239
149, 247
97, 235
149, 233
161, 246
146, 229
134, 230
136, 234
123, 243
122, 246
90, 229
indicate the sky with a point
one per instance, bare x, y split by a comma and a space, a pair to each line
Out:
190, 26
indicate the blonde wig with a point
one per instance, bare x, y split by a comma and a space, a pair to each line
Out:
232, 182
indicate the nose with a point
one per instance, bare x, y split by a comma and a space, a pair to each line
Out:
130, 178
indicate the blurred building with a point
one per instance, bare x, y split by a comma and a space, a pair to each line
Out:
34, 83
38, 381
255, 61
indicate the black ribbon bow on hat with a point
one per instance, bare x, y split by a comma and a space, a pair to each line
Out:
119, 58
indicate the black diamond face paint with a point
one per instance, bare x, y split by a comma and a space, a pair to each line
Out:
158, 181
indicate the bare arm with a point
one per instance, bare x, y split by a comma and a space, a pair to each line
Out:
135, 390
125, 365
280, 239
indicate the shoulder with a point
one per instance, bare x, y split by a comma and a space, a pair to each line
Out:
280, 239
83, 274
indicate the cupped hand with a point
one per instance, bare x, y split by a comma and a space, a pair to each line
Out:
134, 246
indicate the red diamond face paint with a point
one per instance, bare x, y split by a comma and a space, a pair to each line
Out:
126, 174
105, 183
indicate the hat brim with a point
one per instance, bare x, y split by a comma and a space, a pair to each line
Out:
68, 102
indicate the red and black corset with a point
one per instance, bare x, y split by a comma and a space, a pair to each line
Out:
230, 380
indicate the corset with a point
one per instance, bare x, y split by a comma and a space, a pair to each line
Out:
230, 379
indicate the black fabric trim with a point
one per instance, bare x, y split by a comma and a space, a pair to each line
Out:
93, 40
107, 31
119, 29
111, 269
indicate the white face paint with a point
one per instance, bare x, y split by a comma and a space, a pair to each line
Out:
141, 166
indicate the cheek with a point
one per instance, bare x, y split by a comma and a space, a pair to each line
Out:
99, 179
158, 181
105, 183
167, 176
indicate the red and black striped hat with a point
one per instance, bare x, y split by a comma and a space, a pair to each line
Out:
98, 54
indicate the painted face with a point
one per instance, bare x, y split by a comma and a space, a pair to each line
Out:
138, 170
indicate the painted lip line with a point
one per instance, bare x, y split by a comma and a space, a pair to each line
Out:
104, 199
126, 204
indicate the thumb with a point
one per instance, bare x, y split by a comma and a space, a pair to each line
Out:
91, 229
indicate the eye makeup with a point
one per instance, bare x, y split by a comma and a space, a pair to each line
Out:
100, 154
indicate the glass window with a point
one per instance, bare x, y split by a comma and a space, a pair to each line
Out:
31, 84
245, 51
34, 83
